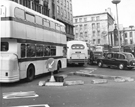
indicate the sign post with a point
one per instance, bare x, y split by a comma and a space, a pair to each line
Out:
51, 67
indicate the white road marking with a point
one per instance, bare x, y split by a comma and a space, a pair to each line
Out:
40, 105
13, 95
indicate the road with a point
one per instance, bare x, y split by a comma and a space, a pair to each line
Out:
110, 94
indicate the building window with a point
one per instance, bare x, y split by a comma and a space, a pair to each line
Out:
97, 18
76, 20
98, 41
125, 35
80, 27
125, 42
85, 19
81, 34
71, 17
131, 41
58, 10
65, 13
92, 19
94, 41
85, 26
70, 7
76, 27
93, 25
80, 19
68, 16
93, 33
130, 34
76, 35
61, 2
61, 11
86, 34
98, 32
67, 4
98, 25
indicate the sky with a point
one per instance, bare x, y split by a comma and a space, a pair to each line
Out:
126, 9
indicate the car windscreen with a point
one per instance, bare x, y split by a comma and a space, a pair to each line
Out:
129, 56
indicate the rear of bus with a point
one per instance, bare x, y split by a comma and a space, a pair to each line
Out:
9, 71
77, 52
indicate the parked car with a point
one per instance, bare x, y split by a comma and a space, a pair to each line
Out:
95, 55
122, 60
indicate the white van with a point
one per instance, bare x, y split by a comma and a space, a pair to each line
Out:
77, 52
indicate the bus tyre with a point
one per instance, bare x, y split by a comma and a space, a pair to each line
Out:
30, 73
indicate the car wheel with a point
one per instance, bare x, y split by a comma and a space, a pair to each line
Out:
130, 68
100, 64
121, 66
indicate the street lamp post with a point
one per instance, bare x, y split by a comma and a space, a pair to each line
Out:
116, 2
131, 26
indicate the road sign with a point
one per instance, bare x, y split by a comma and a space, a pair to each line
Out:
51, 64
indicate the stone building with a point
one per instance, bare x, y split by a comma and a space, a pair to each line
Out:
93, 28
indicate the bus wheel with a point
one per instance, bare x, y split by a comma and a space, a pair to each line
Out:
30, 73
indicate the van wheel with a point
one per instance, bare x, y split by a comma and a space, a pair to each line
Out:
100, 64
30, 73
121, 66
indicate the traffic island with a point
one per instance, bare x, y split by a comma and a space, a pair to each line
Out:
99, 81
77, 82
123, 79
115, 78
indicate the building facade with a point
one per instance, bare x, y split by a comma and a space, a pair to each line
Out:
93, 28
60, 10
128, 43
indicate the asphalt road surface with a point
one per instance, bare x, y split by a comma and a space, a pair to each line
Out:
109, 94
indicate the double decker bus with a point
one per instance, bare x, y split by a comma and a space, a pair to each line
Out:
28, 40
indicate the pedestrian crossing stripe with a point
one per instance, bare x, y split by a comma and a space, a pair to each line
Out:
14, 95
40, 105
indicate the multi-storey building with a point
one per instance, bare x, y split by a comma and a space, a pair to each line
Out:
128, 42
93, 28
129, 36
60, 10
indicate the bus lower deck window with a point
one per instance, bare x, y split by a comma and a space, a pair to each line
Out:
4, 46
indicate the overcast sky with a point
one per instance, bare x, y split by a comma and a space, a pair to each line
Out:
126, 9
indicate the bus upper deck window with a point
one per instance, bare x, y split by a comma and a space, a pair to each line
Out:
4, 46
